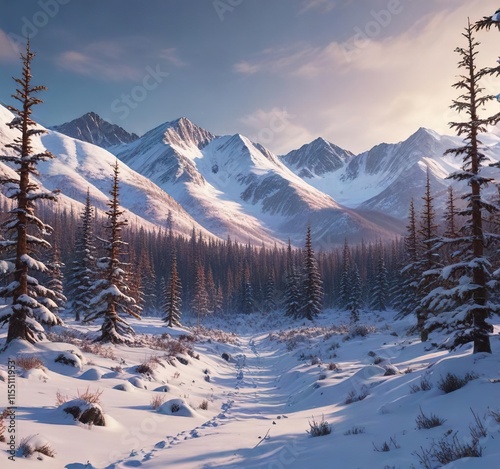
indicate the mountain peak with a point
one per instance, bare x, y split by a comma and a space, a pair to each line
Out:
92, 128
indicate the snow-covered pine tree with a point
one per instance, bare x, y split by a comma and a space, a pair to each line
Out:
345, 279
355, 301
110, 291
465, 306
292, 293
57, 301
311, 289
487, 22
172, 294
407, 301
430, 260
23, 231
199, 304
247, 300
270, 293
83, 270
380, 286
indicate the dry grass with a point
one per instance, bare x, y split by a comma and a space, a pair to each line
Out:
157, 401
61, 398
90, 397
3, 415
203, 405
320, 428
29, 363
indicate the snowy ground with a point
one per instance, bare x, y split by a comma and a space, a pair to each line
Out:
260, 402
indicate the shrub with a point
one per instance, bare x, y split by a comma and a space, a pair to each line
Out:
477, 430
157, 401
203, 405
453, 382
27, 447
385, 446
332, 366
207, 378
175, 408
315, 360
495, 415
447, 451
423, 421
425, 385
355, 397
319, 428
29, 363
354, 431
61, 398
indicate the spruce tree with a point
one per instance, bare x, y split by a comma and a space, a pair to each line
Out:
292, 294
247, 300
380, 286
355, 299
24, 231
83, 271
199, 303
311, 292
270, 293
345, 280
110, 290
466, 305
173, 301
57, 302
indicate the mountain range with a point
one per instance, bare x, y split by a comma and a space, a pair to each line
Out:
230, 186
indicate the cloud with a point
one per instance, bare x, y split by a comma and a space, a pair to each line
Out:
377, 84
322, 5
101, 60
111, 60
171, 56
275, 129
7, 48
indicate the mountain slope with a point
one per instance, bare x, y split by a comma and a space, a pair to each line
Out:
79, 165
92, 128
237, 188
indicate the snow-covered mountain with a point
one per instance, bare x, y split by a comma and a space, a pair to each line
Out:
79, 165
92, 128
237, 188
388, 176
317, 159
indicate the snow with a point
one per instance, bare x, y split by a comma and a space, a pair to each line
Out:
261, 401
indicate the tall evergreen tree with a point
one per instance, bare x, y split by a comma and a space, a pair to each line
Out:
345, 280
311, 293
355, 299
24, 231
270, 293
110, 290
172, 293
199, 304
57, 302
83, 271
247, 300
292, 294
380, 287
466, 305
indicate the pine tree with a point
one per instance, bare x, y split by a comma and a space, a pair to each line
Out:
355, 300
57, 301
23, 230
172, 293
465, 306
199, 303
345, 280
311, 293
380, 287
247, 301
292, 294
407, 301
110, 290
269, 301
487, 22
83, 273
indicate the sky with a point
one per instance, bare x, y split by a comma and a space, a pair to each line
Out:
281, 72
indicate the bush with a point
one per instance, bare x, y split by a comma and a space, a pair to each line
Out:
27, 447
386, 447
319, 428
90, 397
203, 405
315, 360
453, 382
29, 363
332, 366
356, 397
354, 431
423, 421
425, 385
447, 451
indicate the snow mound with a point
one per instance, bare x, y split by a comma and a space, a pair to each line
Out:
126, 386
92, 374
178, 408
